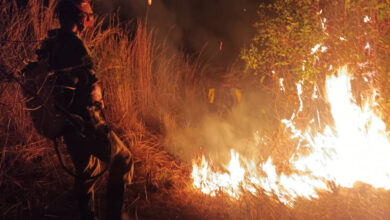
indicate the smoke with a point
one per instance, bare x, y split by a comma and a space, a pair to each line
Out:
246, 127
218, 29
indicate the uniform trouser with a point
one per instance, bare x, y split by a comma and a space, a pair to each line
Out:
119, 159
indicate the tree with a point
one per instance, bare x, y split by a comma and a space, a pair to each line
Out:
307, 39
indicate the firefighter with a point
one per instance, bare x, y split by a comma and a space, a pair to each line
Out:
77, 91
223, 97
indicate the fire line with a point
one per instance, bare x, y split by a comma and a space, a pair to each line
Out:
354, 150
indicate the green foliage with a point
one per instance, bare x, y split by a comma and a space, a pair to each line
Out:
287, 30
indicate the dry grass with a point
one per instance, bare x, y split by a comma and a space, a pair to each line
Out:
146, 88
137, 75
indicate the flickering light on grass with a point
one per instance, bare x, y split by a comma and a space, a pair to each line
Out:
323, 21
315, 92
299, 92
281, 84
315, 48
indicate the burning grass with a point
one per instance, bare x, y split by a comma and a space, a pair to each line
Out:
147, 92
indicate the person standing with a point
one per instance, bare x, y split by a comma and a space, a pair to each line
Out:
77, 92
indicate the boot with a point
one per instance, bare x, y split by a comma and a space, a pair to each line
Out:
86, 212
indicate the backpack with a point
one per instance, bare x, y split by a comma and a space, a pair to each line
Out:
37, 88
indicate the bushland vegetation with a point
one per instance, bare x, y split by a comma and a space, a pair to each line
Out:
308, 40
152, 94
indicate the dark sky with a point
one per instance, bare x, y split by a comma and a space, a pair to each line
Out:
195, 25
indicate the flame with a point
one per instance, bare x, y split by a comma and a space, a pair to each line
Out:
211, 182
354, 149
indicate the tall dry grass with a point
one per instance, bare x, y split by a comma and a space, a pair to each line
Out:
144, 88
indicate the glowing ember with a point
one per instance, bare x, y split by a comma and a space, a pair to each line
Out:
367, 46
366, 19
354, 150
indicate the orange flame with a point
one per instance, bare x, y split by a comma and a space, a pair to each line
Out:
356, 149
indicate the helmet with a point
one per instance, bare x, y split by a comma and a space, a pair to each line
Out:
87, 12
75, 12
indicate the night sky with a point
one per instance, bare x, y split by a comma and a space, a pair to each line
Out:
192, 26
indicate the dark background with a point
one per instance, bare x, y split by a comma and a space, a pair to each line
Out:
191, 26
194, 26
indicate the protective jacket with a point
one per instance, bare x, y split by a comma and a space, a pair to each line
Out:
69, 60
